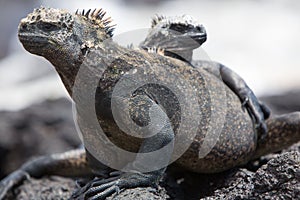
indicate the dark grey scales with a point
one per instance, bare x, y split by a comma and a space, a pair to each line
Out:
178, 36
66, 39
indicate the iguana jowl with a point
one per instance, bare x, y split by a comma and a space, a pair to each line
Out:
66, 39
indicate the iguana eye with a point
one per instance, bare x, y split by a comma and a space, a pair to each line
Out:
179, 28
48, 27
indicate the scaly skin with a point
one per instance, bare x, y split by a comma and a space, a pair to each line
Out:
178, 36
70, 41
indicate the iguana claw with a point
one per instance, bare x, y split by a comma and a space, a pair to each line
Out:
100, 188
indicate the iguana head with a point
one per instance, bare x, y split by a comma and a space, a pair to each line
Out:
177, 34
64, 38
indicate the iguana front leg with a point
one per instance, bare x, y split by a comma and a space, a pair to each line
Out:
70, 164
257, 110
139, 174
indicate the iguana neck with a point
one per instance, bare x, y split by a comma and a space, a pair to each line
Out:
68, 55
67, 69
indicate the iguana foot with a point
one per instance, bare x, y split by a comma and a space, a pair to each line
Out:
100, 188
12, 180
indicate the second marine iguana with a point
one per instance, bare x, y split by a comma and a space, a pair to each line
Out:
72, 41
178, 36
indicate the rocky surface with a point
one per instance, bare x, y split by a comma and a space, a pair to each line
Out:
278, 179
53, 188
40, 129
48, 127
46, 188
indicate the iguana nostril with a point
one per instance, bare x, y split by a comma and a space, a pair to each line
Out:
23, 27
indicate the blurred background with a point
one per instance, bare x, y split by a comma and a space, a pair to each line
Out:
256, 38
259, 39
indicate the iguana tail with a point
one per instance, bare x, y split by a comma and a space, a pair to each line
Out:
70, 164
283, 131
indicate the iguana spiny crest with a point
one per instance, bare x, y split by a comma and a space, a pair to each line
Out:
175, 36
59, 35
97, 17
60, 26
178, 21
55, 18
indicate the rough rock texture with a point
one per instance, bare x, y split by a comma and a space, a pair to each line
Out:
49, 188
48, 127
41, 129
46, 188
278, 179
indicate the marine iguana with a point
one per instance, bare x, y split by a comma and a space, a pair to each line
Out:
66, 40
178, 36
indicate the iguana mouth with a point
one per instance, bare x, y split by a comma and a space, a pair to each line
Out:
201, 37
33, 40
